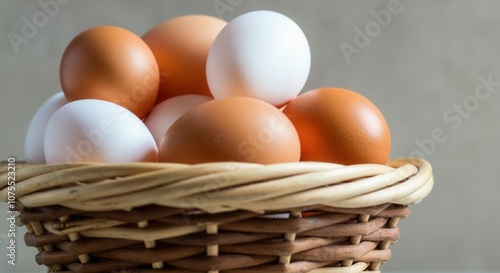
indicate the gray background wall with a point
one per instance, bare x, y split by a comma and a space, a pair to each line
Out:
418, 68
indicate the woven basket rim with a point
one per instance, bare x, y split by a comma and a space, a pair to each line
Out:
220, 186
86, 217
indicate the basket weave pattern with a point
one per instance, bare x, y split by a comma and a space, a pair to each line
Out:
216, 217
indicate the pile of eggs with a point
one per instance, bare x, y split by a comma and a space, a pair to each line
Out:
197, 89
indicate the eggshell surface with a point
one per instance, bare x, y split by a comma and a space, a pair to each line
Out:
113, 64
341, 126
97, 131
163, 115
260, 54
181, 46
33, 144
231, 129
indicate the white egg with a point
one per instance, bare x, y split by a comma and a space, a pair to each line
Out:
163, 115
33, 143
97, 131
260, 54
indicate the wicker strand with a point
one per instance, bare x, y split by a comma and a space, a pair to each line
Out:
355, 268
391, 223
355, 240
150, 244
289, 237
39, 230
84, 258
212, 250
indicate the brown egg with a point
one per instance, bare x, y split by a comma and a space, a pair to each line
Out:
113, 64
231, 129
181, 47
340, 126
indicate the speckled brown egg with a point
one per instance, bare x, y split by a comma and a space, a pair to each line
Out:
339, 125
231, 129
113, 64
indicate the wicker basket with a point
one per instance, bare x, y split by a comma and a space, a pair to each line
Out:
215, 217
